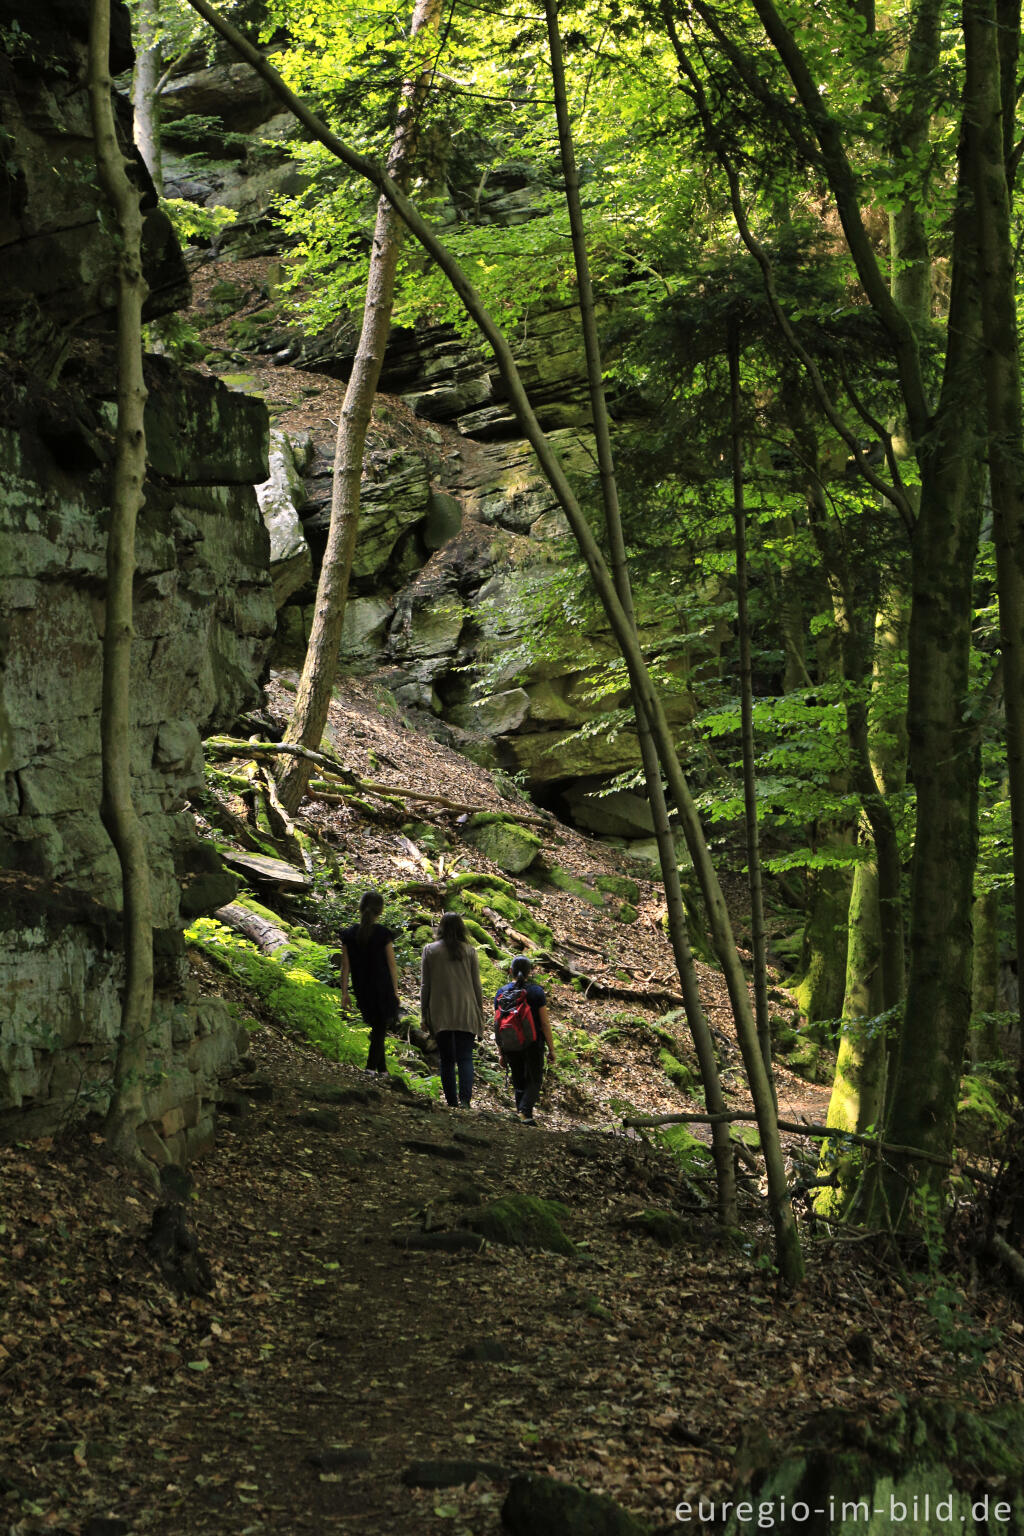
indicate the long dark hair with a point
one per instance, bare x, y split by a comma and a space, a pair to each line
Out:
451, 931
371, 905
520, 969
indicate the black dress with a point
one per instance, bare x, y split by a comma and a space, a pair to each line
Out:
371, 982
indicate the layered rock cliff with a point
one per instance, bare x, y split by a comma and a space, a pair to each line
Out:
204, 617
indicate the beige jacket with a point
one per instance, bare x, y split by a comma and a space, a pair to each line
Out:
450, 993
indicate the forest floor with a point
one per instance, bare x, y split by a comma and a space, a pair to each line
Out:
329, 1368
323, 1369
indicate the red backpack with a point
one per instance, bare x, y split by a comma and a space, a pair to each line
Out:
514, 1024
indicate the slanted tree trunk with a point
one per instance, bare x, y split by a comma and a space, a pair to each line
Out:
703, 1043
760, 964
312, 699
117, 721
145, 88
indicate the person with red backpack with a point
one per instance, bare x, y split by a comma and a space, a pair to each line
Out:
522, 1029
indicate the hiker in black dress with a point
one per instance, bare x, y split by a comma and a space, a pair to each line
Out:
527, 1066
368, 957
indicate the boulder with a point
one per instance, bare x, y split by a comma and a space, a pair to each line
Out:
546, 1506
494, 715
617, 814
443, 520
506, 843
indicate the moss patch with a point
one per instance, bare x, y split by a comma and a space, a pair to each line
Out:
660, 1226
524, 1221
693, 1155
676, 1071
619, 885
562, 880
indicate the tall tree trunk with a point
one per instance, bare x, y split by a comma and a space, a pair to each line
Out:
312, 699
145, 88
1001, 362
117, 720
780, 1206
703, 1044
943, 754
739, 513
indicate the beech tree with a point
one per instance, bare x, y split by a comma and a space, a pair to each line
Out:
319, 669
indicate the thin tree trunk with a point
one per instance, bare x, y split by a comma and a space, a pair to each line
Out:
780, 1207
703, 1044
739, 513
117, 722
145, 88
313, 696
985, 1044
1001, 363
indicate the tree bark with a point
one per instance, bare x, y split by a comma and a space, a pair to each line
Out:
145, 88
313, 696
1001, 363
117, 722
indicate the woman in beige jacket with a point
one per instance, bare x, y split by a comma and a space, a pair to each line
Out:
452, 1005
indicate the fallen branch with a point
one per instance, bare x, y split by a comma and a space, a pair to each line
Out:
596, 988
226, 746
297, 841
796, 1128
1009, 1256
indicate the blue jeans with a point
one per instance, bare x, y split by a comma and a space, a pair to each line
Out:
456, 1049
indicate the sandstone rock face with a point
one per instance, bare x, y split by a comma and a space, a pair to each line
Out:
291, 564
203, 620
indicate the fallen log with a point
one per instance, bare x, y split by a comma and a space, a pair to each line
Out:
1009, 1256
796, 1128
270, 871
265, 935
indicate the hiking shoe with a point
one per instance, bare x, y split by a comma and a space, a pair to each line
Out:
527, 1120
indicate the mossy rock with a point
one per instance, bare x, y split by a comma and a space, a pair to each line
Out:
562, 880
513, 911
979, 1119
475, 879
661, 1226
693, 1155
865, 1466
619, 885
627, 913
506, 843
545, 1506
524, 1221
676, 1071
